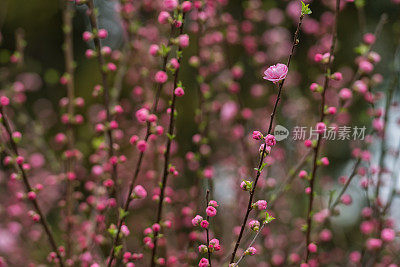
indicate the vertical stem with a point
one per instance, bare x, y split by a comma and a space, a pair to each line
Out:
322, 116
167, 155
106, 94
69, 68
280, 86
138, 165
29, 188
207, 231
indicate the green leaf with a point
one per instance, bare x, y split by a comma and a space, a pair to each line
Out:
361, 49
359, 3
112, 231
171, 137
123, 213
164, 50
268, 218
305, 10
117, 250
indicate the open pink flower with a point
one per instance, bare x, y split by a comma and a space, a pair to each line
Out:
276, 73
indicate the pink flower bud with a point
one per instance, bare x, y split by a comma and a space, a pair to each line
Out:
197, 220
153, 50
337, 76
369, 38
270, 140
345, 94
161, 77
186, 6
312, 248
31, 195
303, 174
170, 5
111, 66
183, 40
87, 36
320, 127
211, 211
179, 91
4, 101
140, 192
388, 235
163, 17
142, 145
204, 224
102, 34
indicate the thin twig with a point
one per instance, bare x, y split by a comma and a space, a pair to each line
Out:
251, 244
346, 185
139, 161
68, 11
207, 231
106, 95
295, 43
29, 188
167, 153
322, 116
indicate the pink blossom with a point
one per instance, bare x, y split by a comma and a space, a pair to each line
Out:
186, 6
346, 199
142, 145
345, 94
179, 91
197, 220
320, 127
102, 33
254, 225
87, 36
140, 192
250, 251
257, 135
388, 235
337, 76
261, 205
276, 73
4, 101
373, 243
270, 140
170, 5
211, 211
366, 66
142, 115
303, 174
183, 40
203, 263
369, 38
161, 77
163, 17
204, 224
355, 256
312, 248
124, 230
153, 50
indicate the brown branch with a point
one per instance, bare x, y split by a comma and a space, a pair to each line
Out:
106, 94
171, 128
322, 116
29, 188
138, 165
295, 43
68, 11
